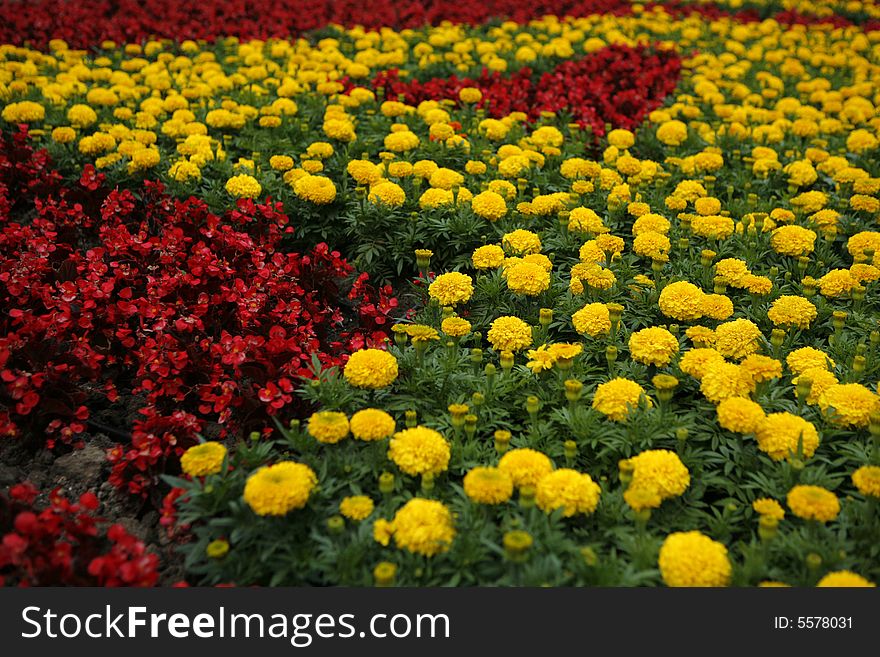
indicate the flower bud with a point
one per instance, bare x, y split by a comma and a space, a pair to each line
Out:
706, 257
665, 385
527, 497
423, 258
293, 425
476, 356
447, 312
254, 436
532, 405
470, 425
684, 243
458, 411
571, 449
767, 528
858, 293
386, 483
838, 319
859, 363
490, 372
516, 545
573, 389
217, 549
412, 419
777, 337
874, 424
336, 524
427, 482
681, 434
506, 361
813, 560
803, 387
545, 316
625, 470
478, 399
611, 354
720, 285
502, 441
589, 556
384, 573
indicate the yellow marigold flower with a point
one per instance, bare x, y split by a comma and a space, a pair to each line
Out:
820, 380
659, 470
717, 307
372, 424
762, 368
766, 506
490, 256
387, 193
863, 241
489, 205
682, 301
845, 579
364, 172
526, 467
527, 278
63, 135
813, 503
444, 178
778, 436
713, 226
340, 129
435, 198
653, 346
867, 480
849, 404
565, 351
328, 426
793, 241
25, 111
540, 359
792, 311
455, 327
356, 507
593, 320
521, 242
585, 220
371, 368
204, 459
217, 549
672, 133
488, 485
733, 270
737, 339
183, 170
419, 451
573, 491
319, 190
452, 288
81, 116
509, 334
701, 336
723, 380
652, 245
243, 186
621, 139
806, 358
475, 167
837, 283
707, 205
650, 223
694, 559
275, 490
740, 415
616, 398
400, 169
801, 173
420, 526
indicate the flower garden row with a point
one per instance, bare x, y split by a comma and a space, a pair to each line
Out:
634, 339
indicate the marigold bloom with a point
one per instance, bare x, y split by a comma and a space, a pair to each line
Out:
490, 256
488, 485
867, 480
737, 339
792, 311
766, 506
420, 526
527, 278
694, 559
489, 205
509, 334
813, 503
204, 459
616, 398
573, 491
723, 380
356, 507
371, 368
653, 346
682, 301
593, 320
275, 490
778, 436
526, 467
419, 451
659, 470
372, 424
452, 288
849, 404
845, 579
328, 426
739, 414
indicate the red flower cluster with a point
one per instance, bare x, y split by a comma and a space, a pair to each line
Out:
66, 544
618, 85
205, 317
88, 24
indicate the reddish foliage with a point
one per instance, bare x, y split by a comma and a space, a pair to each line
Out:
66, 544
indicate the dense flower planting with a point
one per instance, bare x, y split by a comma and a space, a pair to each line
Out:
618, 316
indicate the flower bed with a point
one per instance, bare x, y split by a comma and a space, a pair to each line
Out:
636, 263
